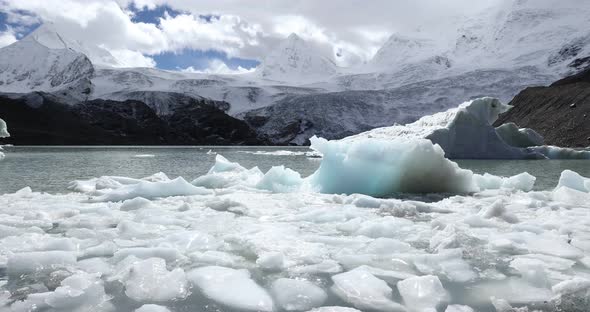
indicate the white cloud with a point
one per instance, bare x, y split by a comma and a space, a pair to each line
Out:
218, 67
351, 31
6, 38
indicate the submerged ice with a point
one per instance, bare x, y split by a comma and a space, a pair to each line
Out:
239, 239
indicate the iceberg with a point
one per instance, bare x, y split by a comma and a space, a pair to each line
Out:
467, 131
380, 168
3, 134
3, 129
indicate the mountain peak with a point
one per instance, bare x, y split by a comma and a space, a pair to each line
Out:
294, 37
46, 34
296, 60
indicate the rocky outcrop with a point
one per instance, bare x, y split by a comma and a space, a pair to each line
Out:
41, 119
559, 112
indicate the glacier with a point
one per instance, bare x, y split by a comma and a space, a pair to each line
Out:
467, 132
241, 239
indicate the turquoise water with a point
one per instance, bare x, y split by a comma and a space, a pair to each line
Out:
49, 169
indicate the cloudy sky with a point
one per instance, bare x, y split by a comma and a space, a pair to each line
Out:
224, 35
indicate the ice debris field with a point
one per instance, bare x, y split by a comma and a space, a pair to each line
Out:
239, 239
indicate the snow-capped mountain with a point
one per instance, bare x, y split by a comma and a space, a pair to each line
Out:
400, 50
295, 60
44, 61
297, 91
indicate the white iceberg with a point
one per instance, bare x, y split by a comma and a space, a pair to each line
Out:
467, 132
3, 134
379, 167
3, 129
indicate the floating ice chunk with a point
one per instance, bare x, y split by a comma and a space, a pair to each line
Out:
391, 276
324, 267
152, 308
151, 190
224, 165
422, 293
136, 203
149, 280
232, 288
225, 174
384, 245
2, 156
571, 196
523, 181
571, 286
297, 295
513, 290
447, 262
555, 152
271, 261
364, 291
458, 308
78, 293
39, 262
280, 180
189, 241
3, 129
384, 227
219, 258
144, 156
334, 309
171, 255
498, 210
384, 167
574, 181
518, 137
531, 270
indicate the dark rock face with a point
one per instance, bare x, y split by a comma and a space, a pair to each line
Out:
40, 119
560, 112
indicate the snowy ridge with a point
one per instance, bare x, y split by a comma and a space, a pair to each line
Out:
43, 62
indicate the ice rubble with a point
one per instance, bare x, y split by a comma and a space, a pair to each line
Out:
467, 132
246, 240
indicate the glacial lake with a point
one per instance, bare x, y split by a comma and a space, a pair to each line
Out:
51, 168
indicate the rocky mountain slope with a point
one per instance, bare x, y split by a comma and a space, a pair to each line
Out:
41, 119
559, 112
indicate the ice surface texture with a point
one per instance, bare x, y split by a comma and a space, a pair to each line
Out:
238, 239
